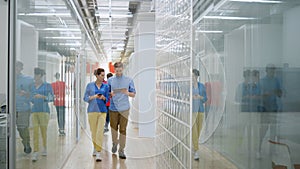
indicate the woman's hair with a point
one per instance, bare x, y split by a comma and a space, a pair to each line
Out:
98, 71
39, 71
196, 72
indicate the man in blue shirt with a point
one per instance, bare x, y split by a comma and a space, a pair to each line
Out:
121, 87
23, 86
271, 90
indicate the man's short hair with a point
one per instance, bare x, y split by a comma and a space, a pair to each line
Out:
19, 64
108, 75
57, 75
118, 64
270, 66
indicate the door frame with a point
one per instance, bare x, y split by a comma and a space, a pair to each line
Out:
11, 99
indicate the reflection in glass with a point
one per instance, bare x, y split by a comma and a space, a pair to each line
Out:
199, 98
258, 127
41, 95
59, 89
24, 84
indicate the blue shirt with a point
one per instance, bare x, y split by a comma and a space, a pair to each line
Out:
96, 105
269, 89
120, 102
249, 95
24, 83
41, 104
198, 103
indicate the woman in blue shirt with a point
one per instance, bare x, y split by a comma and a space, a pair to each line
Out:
199, 98
96, 95
41, 95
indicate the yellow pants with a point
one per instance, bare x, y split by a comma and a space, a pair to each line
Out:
97, 121
39, 121
196, 129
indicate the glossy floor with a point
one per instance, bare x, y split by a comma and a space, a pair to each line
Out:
65, 153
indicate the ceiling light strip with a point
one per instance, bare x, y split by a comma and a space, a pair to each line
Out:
258, 1
44, 14
228, 17
73, 6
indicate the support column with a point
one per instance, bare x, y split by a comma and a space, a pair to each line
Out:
144, 76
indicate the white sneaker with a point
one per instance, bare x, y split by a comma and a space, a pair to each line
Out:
94, 152
34, 156
98, 158
44, 152
196, 155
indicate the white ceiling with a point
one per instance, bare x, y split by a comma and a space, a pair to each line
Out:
110, 23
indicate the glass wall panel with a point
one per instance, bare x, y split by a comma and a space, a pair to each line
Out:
3, 87
173, 44
48, 41
248, 56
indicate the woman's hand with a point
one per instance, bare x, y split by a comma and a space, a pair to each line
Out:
39, 96
197, 96
94, 97
102, 97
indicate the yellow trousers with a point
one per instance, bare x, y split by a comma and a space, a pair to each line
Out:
39, 121
196, 129
97, 121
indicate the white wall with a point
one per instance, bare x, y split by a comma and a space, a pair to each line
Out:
234, 55
291, 37
251, 46
51, 63
3, 46
144, 59
134, 110
263, 45
27, 46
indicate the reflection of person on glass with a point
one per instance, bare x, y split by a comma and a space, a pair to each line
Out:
270, 90
23, 87
41, 95
199, 98
121, 87
59, 89
248, 92
96, 95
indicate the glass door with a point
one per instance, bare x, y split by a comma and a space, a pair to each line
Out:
3, 88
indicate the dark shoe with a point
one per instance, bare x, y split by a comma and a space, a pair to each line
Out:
27, 149
122, 155
196, 155
114, 148
62, 133
105, 130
